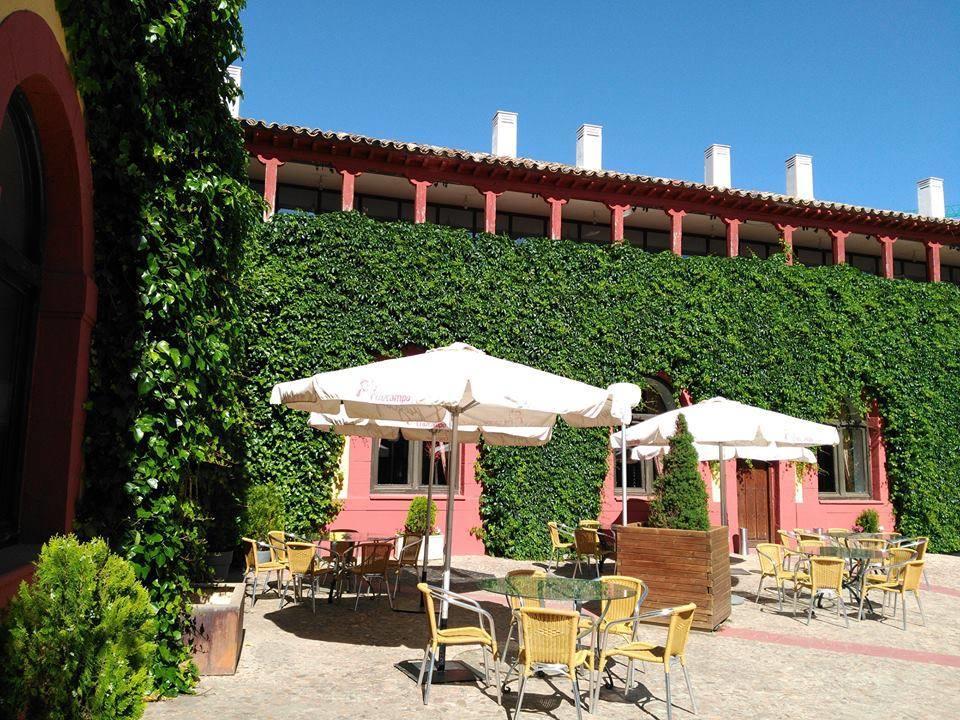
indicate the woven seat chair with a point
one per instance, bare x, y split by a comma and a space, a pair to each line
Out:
591, 524
906, 580
806, 535
303, 564
919, 545
374, 564
773, 564
254, 568
681, 620
558, 549
840, 531
615, 614
549, 642
409, 557
587, 548
277, 539
826, 577
515, 604
483, 635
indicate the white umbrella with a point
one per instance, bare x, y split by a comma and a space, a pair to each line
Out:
463, 383
726, 423
711, 453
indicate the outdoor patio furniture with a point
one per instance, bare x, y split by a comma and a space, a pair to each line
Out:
905, 579
558, 549
613, 611
374, 564
825, 579
549, 644
483, 635
409, 557
806, 535
839, 531
515, 602
591, 524
254, 568
773, 564
304, 564
277, 539
919, 544
681, 620
587, 548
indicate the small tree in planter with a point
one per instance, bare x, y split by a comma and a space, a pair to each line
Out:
867, 521
680, 496
420, 517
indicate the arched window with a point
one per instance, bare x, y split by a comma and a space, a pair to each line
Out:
844, 470
657, 398
21, 242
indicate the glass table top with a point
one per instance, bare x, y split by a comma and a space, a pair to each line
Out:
847, 553
578, 590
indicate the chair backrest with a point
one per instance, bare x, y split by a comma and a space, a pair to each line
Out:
616, 608
896, 557
681, 620
410, 552
787, 539
839, 531
586, 540
516, 603
872, 543
549, 636
771, 558
921, 547
374, 557
554, 534
278, 545
826, 573
430, 610
301, 556
806, 545
805, 535
250, 555
593, 524
911, 575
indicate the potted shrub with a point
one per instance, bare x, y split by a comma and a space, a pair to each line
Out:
420, 521
867, 521
220, 506
678, 555
215, 633
263, 511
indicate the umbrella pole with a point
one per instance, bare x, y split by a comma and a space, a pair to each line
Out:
429, 529
453, 479
723, 489
623, 471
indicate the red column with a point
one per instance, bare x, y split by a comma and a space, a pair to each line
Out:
733, 235
489, 210
786, 235
616, 222
839, 242
886, 255
269, 184
347, 189
555, 215
676, 230
933, 261
420, 199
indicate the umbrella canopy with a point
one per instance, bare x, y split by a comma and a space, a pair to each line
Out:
481, 389
710, 453
438, 432
719, 421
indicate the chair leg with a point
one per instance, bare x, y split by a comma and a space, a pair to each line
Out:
666, 675
780, 597
496, 673
904, 604
523, 687
925, 580
486, 667
923, 618
842, 606
760, 587
813, 596
253, 595
423, 665
686, 676
629, 685
576, 695
426, 690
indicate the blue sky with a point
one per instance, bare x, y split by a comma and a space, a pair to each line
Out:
870, 89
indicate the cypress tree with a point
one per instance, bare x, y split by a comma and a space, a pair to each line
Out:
680, 500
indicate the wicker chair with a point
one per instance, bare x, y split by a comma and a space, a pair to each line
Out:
590, 524
515, 604
907, 580
254, 568
409, 557
549, 639
826, 576
484, 635
374, 564
303, 564
681, 620
773, 564
558, 549
587, 547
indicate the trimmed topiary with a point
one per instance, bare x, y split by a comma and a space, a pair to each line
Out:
868, 521
420, 517
681, 496
77, 642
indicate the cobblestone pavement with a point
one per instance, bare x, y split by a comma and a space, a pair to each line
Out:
338, 663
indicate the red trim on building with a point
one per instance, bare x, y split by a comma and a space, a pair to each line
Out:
733, 235
933, 261
786, 237
886, 255
556, 215
838, 243
676, 230
616, 222
271, 167
420, 199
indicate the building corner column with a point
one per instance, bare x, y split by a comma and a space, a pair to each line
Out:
886, 255
271, 167
616, 222
733, 235
786, 238
556, 216
838, 242
347, 188
489, 208
933, 260
420, 199
676, 230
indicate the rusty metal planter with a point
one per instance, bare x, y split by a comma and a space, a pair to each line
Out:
216, 637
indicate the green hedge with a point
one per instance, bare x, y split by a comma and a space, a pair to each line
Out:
339, 289
171, 210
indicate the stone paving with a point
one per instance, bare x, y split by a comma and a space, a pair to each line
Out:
338, 663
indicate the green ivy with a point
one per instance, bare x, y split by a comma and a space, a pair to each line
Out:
172, 208
339, 289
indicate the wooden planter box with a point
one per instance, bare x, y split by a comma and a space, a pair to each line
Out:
217, 629
679, 567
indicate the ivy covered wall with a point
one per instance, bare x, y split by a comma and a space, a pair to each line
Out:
334, 290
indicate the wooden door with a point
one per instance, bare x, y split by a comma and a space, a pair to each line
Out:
755, 501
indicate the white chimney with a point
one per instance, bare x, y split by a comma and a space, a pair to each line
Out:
716, 166
234, 72
930, 197
590, 147
504, 134
800, 176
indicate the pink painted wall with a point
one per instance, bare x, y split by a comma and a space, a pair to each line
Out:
386, 512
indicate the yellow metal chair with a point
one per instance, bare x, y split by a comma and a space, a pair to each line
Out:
277, 539
303, 564
374, 564
806, 535
773, 563
826, 578
483, 635
615, 614
515, 604
558, 548
549, 642
409, 557
587, 548
906, 579
839, 531
254, 568
681, 620
591, 524
919, 545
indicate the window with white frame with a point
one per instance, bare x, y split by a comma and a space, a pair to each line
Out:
404, 466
